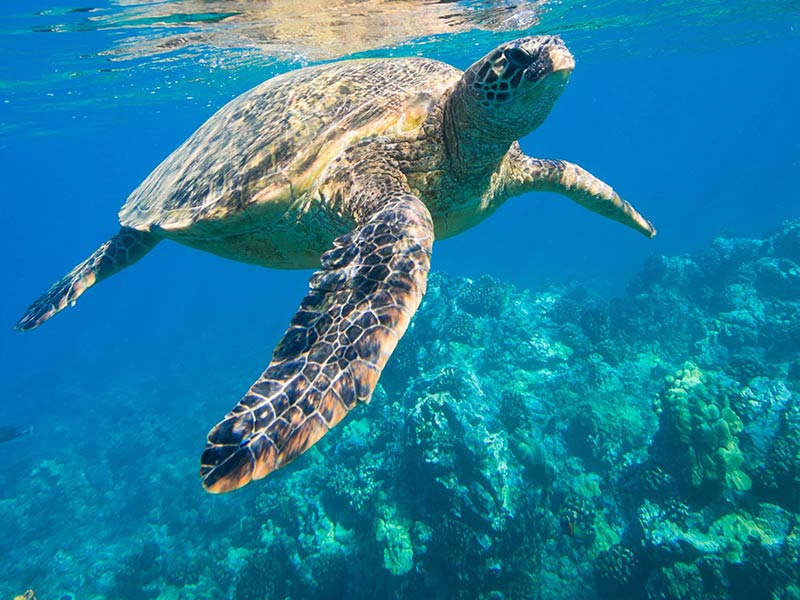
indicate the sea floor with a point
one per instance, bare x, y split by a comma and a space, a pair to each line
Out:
544, 443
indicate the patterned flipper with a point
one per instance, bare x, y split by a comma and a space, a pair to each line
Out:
528, 174
357, 308
122, 250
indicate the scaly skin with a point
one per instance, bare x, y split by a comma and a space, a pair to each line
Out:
525, 174
357, 309
121, 251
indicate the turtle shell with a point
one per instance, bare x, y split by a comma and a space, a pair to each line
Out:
267, 148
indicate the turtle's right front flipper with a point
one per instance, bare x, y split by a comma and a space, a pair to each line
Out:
121, 251
357, 309
527, 174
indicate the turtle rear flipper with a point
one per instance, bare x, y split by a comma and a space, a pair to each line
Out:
357, 309
122, 250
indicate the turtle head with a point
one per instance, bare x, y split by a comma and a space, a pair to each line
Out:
510, 91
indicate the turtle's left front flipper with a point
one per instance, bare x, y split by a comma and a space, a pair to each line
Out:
357, 308
527, 174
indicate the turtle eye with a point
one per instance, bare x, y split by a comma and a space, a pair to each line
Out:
517, 57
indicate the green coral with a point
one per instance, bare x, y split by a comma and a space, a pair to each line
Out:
681, 581
258, 576
605, 535
393, 532
697, 405
736, 531
452, 543
461, 327
486, 296
614, 568
577, 517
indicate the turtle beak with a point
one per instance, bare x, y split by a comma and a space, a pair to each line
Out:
561, 58
547, 56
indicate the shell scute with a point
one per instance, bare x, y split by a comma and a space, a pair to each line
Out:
265, 149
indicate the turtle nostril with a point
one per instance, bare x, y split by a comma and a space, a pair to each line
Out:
517, 57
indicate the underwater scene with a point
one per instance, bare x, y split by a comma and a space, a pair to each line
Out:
575, 411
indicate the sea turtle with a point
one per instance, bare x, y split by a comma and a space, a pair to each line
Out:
357, 165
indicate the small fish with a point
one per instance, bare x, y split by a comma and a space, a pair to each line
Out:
10, 433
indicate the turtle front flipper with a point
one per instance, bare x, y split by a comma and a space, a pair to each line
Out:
356, 310
527, 174
122, 250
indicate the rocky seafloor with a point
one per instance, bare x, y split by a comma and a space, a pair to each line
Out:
522, 444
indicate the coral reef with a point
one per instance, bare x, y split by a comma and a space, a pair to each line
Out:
548, 444
485, 297
696, 406
258, 576
577, 517
398, 552
615, 570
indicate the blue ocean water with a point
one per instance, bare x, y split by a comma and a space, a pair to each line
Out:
689, 109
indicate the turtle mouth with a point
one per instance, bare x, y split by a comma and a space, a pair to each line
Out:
561, 59
552, 59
